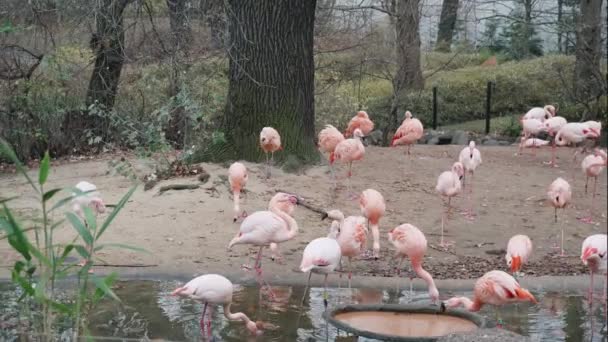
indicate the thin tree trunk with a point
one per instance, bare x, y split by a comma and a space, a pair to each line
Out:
181, 34
409, 72
215, 16
560, 25
527, 27
271, 76
447, 23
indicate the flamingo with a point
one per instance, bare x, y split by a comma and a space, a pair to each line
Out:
531, 127
539, 113
321, 255
410, 241
90, 197
349, 150
237, 176
213, 289
265, 227
494, 288
373, 207
329, 138
448, 184
559, 194
533, 142
592, 166
287, 207
593, 255
408, 133
575, 133
519, 250
470, 158
350, 233
552, 126
270, 141
360, 121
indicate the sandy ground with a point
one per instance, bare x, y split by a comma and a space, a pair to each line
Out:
189, 230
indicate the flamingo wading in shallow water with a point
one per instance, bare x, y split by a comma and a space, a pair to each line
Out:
373, 207
560, 194
519, 250
329, 138
214, 289
470, 158
448, 185
410, 131
593, 255
270, 142
237, 177
592, 166
410, 241
321, 255
360, 121
348, 151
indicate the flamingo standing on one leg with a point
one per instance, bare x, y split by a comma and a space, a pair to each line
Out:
348, 151
552, 126
286, 207
470, 158
495, 288
321, 255
89, 197
237, 176
410, 241
448, 184
593, 254
360, 121
531, 127
373, 207
213, 289
270, 141
519, 250
408, 133
350, 233
329, 138
592, 166
560, 194
265, 227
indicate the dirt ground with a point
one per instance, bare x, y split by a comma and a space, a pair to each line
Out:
189, 230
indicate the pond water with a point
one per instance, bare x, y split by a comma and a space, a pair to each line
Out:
147, 310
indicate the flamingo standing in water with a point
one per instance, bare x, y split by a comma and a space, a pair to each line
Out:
470, 158
410, 241
329, 138
265, 227
350, 233
559, 194
321, 255
593, 255
519, 250
531, 127
286, 207
214, 289
495, 288
348, 151
360, 121
237, 177
448, 185
592, 166
88, 197
373, 207
270, 141
552, 126
408, 133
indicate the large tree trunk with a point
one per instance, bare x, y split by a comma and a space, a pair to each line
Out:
589, 81
447, 23
271, 76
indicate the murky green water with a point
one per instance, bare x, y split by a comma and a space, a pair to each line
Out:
147, 310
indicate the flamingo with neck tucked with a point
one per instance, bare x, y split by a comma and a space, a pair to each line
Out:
360, 121
329, 138
593, 255
552, 126
592, 166
470, 158
448, 185
287, 207
560, 194
348, 151
270, 142
237, 177
410, 131
373, 207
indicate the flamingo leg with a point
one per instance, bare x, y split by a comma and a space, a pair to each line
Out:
350, 272
590, 297
306, 288
325, 292
586, 184
267, 166
498, 319
258, 270
350, 195
589, 219
202, 322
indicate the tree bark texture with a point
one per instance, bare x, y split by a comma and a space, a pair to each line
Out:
409, 71
447, 23
271, 76
181, 34
560, 25
527, 27
589, 81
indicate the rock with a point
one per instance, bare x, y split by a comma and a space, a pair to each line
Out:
433, 141
490, 142
460, 138
375, 137
485, 335
504, 143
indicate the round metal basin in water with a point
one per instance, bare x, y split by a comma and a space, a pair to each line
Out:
394, 322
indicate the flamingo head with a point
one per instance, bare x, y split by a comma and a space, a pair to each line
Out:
549, 111
590, 253
514, 263
559, 139
525, 295
97, 205
358, 133
333, 214
591, 133
408, 115
362, 114
458, 169
471, 148
282, 197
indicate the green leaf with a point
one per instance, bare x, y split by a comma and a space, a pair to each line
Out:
63, 308
3, 200
103, 285
49, 194
38, 255
15, 235
62, 202
115, 212
80, 228
90, 219
43, 173
7, 150
66, 251
82, 251
120, 245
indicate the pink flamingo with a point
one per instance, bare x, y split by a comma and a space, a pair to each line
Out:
237, 176
350, 233
592, 166
494, 288
360, 121
348, 151
287, 207
531, 127
213, 289
329, 138
539, 113
519, 250
448, 184
575, 133
87, 196
560, 194
552, 126
593, 255
410, 241
265, 227
408, 133
373, 207
270, 141
470, 158
321, 255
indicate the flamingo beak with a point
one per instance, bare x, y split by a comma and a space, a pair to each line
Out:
324, 216
332, 158
588, 253
515, 264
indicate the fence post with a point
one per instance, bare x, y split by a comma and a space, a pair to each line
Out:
435, 107
488, 105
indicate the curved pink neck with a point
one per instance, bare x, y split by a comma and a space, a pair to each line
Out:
422, 273
468, 304
238, 316
236, 197
292, 225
